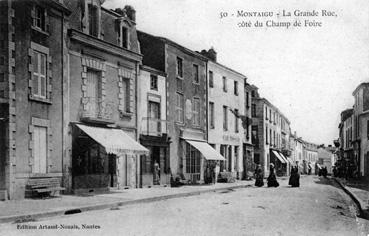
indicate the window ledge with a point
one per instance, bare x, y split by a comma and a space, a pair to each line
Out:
125, 114
44, 100
40, 30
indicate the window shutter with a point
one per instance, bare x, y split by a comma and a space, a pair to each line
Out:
131, 95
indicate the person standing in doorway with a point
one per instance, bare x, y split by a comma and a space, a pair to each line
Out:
156, 174
216, 170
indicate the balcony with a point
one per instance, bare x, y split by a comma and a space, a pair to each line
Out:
153, 126
97, 111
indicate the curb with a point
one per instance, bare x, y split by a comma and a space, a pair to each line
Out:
52, 213
364, 213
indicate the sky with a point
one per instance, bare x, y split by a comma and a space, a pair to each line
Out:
309, 73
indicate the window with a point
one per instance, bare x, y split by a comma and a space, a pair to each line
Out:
253, 93
92, 20
93, 91
196, 112
253, 110
40, 149
125, 37
224, 84
266, 134
179, 67
211, 111
235, 88
179, 108
193, 160
225, 118
196, 74
270, 115
236, 121
39, 21
126, 95
154, 82
266, 113
154, 118
247, 100
39, 74
211, 79
179, 84
270, 137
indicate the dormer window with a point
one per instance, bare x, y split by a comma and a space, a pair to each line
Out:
40, 18
93, 20
125, 37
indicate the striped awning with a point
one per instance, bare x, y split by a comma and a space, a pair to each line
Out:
115, 141
206, 150
279, 157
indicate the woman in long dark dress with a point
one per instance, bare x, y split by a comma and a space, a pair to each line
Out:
272, 179
259, 177
294, 178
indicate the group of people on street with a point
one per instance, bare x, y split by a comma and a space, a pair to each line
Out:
323, 172
294, 180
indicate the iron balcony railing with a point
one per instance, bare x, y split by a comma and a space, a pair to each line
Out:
153, 126
97, 108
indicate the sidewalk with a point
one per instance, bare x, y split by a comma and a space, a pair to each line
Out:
30, 209
359, 191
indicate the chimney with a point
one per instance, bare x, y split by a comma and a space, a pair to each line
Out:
211, 54
131, 12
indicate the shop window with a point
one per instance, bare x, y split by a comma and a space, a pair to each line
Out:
193, 160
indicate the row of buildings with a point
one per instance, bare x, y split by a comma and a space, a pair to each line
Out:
87, 98
353, 141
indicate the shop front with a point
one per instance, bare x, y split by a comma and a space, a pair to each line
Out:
280, 163
200, 157
104, 158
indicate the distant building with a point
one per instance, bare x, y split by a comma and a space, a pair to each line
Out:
361, 129
310, 157
271, 128
325, 158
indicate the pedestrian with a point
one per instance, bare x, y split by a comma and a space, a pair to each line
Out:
217, 170
259, 176
294, 180
156, 174
272, 179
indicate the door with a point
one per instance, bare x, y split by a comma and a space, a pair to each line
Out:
155, 157
40, 149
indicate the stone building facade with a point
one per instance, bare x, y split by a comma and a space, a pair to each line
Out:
227, 115
100, 114
186, 102
32, 63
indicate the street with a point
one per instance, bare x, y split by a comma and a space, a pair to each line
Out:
318, 207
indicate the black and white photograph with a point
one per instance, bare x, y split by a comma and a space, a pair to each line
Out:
184, 117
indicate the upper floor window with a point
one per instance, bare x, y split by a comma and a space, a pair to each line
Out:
179, 108
253, 110
125, 37
196, 111
153, 82
179, 67
224, 84
253, 93
266, 113
39, 74
196, 74
236, 88
247, 100
225, 118
92, 20
39, 21
211, 111
211, 79
236, 121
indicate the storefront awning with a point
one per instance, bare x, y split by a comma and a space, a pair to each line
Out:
289, 160
278, 156
319, 166
206, 150
311, 166
115, 141
284, 158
